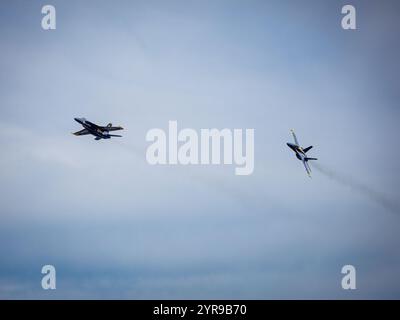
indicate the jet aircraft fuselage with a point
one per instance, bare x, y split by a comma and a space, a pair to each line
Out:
100, 132
301, 153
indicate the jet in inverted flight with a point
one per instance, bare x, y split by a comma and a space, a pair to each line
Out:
99, 132
301, 153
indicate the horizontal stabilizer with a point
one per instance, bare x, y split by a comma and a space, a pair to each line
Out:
311, 159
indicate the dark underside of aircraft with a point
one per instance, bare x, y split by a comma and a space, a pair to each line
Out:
100, 132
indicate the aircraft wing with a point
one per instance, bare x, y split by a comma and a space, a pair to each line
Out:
111, 128
308, 169
294, 137
93, 125
82, 132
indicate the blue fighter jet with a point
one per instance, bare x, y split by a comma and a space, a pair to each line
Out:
301, 153
99, 132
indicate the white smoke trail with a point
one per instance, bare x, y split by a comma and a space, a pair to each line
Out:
361, 188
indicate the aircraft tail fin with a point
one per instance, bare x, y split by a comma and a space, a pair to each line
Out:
307, 149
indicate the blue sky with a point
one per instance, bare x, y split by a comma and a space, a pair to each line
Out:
116, 227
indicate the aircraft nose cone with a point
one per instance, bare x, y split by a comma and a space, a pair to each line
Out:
291, 145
